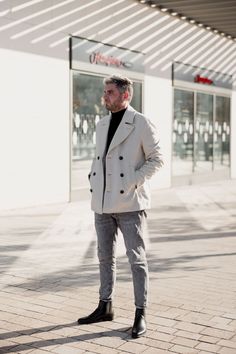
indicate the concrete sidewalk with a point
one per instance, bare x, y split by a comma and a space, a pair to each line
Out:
49, 278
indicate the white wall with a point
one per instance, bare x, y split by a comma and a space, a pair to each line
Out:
233, 134
34, 130
158, 108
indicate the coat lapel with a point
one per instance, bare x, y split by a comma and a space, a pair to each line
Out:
125, 128
103, 133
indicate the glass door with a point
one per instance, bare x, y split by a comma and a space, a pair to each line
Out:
222, 133
183, 133
203, 148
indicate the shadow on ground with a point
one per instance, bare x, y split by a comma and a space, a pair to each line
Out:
121, 333
88, 275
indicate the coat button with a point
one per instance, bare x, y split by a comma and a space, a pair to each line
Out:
91, 190
98, 157
122, 175
94, 173
120, 157
121, 192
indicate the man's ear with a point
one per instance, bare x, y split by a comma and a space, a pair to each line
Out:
126, 95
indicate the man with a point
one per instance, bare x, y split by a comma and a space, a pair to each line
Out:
127, 155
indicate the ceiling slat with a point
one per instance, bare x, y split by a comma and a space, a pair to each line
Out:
217, 14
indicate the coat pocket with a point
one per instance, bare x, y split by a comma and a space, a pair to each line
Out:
130, 179
92, 174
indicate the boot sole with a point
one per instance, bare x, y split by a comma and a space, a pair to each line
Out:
138, 335
103, 319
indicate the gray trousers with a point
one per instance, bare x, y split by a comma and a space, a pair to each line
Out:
132, 226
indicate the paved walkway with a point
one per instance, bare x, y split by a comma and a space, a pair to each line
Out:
49, 278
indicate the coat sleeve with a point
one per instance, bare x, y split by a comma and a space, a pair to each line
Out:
151, 149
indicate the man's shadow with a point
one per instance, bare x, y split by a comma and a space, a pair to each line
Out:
121, 333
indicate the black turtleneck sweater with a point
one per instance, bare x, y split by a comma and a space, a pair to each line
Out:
116, 118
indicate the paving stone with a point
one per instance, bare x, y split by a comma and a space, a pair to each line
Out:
65, 349
162, 321
24, 339
105, 350
227, 343
112, 342
197, 318
161, 336
212, 312
39, 351
221, 320
214, 332
209, 339
132, 347
22, 349
184, 342
183, 350
173, 313
208, 347
225, 350
157, 351
154, 343
84, 345
223, 327
50, 335
6, 345
190, 327
233, 324
188, 335
231, 316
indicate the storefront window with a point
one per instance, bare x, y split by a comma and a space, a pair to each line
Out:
201, 135
222, 133
183, 132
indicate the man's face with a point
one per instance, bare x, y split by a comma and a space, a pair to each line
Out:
113, 99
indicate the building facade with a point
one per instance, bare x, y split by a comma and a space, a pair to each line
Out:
54, 56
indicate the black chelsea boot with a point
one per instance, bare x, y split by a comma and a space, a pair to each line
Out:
139, 327
103, 312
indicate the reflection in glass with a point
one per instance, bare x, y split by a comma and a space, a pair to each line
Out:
222, 133
183, 132
203, 160
87, 110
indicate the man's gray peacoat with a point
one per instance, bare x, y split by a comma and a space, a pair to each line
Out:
132, 158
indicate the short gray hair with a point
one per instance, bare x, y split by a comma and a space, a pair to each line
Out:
122, 83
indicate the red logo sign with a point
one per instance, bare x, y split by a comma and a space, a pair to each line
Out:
98, 58
203, 80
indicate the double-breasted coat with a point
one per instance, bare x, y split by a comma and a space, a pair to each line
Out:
119, 180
